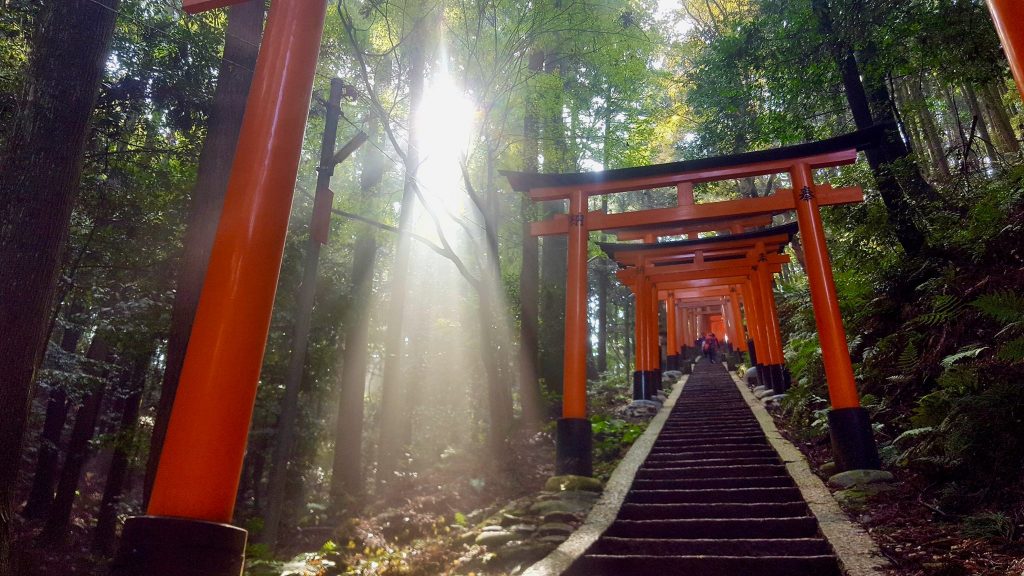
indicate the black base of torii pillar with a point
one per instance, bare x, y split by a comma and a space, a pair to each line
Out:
853, 442
573, 446
165, 546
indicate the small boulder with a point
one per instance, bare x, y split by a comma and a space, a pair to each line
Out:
570, 482
852, 478
673, 374
554, 538
751, 377
764, 394
525, 552
555, 528
559, 517
523, 528
493, 539
567, 506
828, 468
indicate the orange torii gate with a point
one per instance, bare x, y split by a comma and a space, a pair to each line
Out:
852, 439
717, 261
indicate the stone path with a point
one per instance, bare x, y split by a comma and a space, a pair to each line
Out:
712, 498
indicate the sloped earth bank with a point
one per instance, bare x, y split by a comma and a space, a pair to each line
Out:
461, 520
914, 533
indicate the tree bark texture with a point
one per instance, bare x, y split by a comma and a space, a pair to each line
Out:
39, 179
347, 481
241, 46
394, 400
88, 414
57, 408
897, 195
117, 473
931, 133
529, 278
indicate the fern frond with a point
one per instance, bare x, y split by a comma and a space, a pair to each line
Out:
909, 358
970, 352
945, 308
1005, 306
1012, 351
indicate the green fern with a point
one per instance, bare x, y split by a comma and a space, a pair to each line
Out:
1006, 306
909, 358
960, 380
1012, 351
945, 308
970, 352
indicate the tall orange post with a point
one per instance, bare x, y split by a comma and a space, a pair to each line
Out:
671, 339
751, 305
773, 364
193, 496
1008, 16
654, 350
853, 443
573, 438
741, 336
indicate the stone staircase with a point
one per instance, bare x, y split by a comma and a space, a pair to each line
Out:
712, 499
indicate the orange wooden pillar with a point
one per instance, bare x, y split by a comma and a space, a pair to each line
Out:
646, 337
853, 443
671, 335
773, 363
573, 435
654, 348
1008, 16
193, 496
741, 335
758, 351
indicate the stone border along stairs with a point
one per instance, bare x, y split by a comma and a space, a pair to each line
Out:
704, 491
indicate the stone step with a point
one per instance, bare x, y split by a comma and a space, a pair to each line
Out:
628, 565
635, 511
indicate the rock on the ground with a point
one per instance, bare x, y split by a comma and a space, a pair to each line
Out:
639, 410
559, 517
858, 495
494, 538
567, 506
852, 478
674, 374
528, 552
751, 377
828, 468
570, 482
773, 400
555, 528
764, 394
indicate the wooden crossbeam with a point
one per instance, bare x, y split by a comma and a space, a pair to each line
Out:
781, 201
197, 6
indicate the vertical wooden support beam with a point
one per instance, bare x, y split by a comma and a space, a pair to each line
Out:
197, 478
754, 324
773, 337
1008, 16
671, 336
741, 335
573, 441
853, 443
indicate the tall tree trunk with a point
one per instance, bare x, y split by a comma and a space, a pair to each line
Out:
347, 484
529, 280
117, 474
893, 191
979, 121
57, 408
284, 438
931, 133
394, 400
241, 46
499, 394
39, 176
554, 250
78, 445
1001, 124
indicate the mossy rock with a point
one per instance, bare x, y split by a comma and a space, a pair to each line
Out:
571, 482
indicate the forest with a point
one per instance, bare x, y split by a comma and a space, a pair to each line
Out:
412, 375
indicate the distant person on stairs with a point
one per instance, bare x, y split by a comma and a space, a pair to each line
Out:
711, 346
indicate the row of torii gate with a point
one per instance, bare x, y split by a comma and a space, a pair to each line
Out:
187, 530
732, 270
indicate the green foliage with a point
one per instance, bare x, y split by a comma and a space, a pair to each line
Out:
612, 436
945, 308
988, 525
